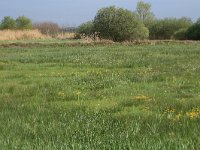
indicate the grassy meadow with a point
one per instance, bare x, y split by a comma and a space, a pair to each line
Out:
100, 97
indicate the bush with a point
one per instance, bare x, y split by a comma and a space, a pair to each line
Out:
119, 24
86, 28
193, 33
180, 34
47, 28
8, 23
23, 23
166, 28
142, 32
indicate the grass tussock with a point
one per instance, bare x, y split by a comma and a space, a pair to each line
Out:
21, 35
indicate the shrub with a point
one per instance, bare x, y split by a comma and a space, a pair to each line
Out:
119, 24
86, 28
47, 28
166, 28
142, 32
180, 34
8, 23
193, 33
23, 23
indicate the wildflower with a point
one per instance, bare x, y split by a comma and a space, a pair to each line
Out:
194, 113
170, 110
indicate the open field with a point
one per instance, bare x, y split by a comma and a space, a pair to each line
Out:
100, 97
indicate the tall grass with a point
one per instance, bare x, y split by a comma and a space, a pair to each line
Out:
21, 35
65, 35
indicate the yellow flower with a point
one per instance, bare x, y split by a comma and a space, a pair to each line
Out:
194, 113
170, 110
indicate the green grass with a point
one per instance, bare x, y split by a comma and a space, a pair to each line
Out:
102, 97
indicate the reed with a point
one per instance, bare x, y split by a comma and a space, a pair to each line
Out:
21, 35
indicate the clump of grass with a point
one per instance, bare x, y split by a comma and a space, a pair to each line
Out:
21, 35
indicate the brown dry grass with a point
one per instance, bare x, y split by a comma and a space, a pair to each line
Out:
21, 35
66, 35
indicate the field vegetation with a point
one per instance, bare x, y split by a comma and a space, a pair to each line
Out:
100, 97
116, 24
124, 80
21, 35
120, 24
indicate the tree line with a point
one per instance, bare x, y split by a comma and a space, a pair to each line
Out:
25, 23
120, 24
21, 23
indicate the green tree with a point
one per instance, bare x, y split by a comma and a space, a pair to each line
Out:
23, 23
119, 24
86, 28
144, 12
142, 32
8, 23
193, 33
198, 21
181, 34
166, 28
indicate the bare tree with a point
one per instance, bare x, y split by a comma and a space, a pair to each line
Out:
48, 28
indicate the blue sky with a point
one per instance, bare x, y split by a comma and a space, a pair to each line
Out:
74, 12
